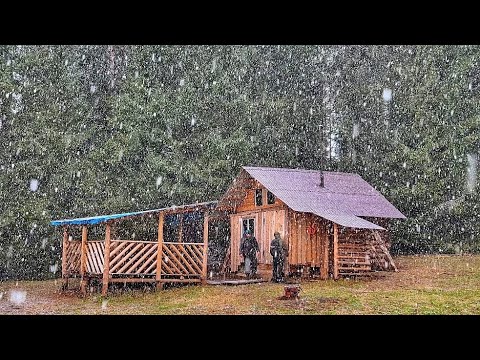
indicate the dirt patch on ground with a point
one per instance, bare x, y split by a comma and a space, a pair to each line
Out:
24, 298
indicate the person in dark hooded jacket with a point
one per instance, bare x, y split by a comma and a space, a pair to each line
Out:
279, 252
249, 249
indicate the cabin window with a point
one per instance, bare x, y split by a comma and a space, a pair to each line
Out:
270, 198
248, 223
258, 197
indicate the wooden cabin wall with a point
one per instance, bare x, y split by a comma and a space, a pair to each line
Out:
304, 248
235, 237
248, 203
268, 219
266, 223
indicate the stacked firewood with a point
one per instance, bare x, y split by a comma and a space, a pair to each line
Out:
379, 253
353, 253
362, 251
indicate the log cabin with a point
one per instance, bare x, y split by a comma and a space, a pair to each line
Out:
334, 224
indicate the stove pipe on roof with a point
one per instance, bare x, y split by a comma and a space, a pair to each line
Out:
322, 180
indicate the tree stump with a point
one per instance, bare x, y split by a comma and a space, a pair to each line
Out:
291, 291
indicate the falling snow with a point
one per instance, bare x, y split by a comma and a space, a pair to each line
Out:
159, 181
387, 94
356, 131
53, 268
17, 297
471, 172
89, 130
34, 184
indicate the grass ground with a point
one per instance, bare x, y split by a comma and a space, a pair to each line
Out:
431, 284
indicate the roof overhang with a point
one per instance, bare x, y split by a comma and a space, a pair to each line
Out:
204, 206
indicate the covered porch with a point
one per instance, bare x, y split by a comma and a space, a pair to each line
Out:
180, 257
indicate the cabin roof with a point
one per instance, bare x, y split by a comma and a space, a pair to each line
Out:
104, 218
343, 198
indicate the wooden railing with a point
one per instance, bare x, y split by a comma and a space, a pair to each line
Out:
182, 259
72, 257
133, 257
95, 255
134, 261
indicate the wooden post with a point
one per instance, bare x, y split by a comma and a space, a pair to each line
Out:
286, 237
324, 242
160, 250
335, 251
205, 248
106, 260
83, 261
64, 259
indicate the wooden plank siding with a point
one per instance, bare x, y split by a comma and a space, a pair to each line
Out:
235, 227
248, 203
266, 223
325, 250
305, 248
308, 249
268, 219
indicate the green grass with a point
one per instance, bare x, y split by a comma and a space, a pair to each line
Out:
424, 285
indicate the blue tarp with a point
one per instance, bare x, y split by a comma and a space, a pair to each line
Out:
103, 218
97, 219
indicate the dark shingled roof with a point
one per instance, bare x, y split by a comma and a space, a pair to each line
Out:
343, 198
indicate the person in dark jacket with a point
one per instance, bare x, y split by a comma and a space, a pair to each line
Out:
249, 249
279, 252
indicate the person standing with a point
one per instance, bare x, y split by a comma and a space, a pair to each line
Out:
249, 249
279, 252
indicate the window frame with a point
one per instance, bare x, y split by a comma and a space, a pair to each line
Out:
269, 196
258, 195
